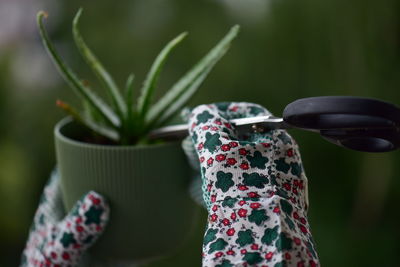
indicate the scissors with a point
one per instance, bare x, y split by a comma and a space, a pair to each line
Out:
362, 124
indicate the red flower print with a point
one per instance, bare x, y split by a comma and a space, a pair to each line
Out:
209, 186
287, 186
287, 256
219, 254
230, 252
226, 222
225, 147
78, 220
230, 232
200, 146
303, 229
242, 187
300, 264
276, 210
242, 151
228, 125
297, 241
296, 183
234, 108
254, 247
210, 161
218, 122
213, 128
205, 128
294, 190
296, 215
255, 205
266, 144
233, 144
312, 263
220, 157
94, 200
289, 152
243, 251
202, 159
65, 256
213, 198
193, 125
303, 220
215, 208
242, 213
53, 255
253, 195
242, 202
244, 166
79, 228
233, 216
213, 217
231, 161
301, 184
269, 255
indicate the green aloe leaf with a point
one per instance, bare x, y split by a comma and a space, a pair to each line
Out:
184, 84
70, 77
99, 129
101, 73
184, 98
152, 77
129, 101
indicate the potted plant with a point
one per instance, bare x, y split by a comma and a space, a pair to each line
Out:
106, 148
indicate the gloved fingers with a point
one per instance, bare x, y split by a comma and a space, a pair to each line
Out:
78, 230
213, 121
50, 209
232, 110
231, 166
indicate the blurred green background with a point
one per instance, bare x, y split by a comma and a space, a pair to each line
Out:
287, 49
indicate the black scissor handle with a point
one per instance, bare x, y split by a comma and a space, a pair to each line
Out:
361, 124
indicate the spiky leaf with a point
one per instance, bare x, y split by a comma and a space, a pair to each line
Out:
183, 99
70, 77
101, 73
152, 77
184, 84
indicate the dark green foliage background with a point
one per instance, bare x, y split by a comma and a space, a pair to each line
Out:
292, 50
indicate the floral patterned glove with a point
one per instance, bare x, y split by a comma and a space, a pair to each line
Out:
255, 191
57, 242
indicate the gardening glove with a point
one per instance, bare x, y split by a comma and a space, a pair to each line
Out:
255, 191
57, 241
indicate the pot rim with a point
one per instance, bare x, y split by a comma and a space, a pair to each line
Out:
65, 139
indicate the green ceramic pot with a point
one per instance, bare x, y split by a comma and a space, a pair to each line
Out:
146, 186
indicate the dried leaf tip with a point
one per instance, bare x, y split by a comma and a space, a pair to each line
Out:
42, 13
61, 104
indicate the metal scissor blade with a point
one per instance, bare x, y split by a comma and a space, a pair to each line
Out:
243, 125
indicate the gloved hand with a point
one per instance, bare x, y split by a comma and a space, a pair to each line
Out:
57, 241
255, 191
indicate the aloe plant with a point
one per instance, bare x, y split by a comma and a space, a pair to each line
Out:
123, 121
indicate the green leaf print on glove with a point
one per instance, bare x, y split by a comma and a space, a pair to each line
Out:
254, 188
224, 181
60, 242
